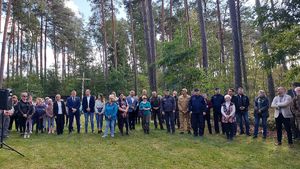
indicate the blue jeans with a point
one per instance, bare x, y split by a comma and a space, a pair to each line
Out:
50, 122
243, 116
264, 125
99, 119
88, 115
110, 124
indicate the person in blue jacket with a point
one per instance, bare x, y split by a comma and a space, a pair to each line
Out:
198, 107
110, 112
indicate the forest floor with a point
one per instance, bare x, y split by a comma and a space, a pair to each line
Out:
156, 150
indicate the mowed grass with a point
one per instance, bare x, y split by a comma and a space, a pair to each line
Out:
157, 150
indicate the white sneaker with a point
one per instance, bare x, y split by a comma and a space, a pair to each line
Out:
104, 136
112, 136
30, 132
28, 136
25, 135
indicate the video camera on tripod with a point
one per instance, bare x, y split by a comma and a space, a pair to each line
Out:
6, 99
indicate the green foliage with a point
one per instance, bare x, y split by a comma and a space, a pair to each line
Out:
157, 150
31, 84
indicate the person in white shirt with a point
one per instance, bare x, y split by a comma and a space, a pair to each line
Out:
59, 110
228, 116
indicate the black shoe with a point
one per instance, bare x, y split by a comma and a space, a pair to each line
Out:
127, 133
254, 137
189, 132
264, 137
248, 134
181, 132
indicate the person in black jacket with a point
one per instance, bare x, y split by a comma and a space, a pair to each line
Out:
59, 110
242, 111
155, 102
25, 110
168, 107
198, 108
217, 100
261, 110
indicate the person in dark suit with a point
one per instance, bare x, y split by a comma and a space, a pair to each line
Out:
73, 104
59, 110
132, 103
88, 108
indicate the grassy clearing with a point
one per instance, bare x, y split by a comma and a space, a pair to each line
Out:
157, 150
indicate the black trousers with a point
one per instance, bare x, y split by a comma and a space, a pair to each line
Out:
60, 122
121, 121
39, 124
287, 125
14, 118
132, 118
157, 115
71, 119
217, 121
207, 119
229, 128
170, 121
197, 120
22, 121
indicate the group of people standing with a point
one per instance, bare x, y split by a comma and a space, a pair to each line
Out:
188, 112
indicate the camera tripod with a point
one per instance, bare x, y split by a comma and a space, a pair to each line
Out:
2, 144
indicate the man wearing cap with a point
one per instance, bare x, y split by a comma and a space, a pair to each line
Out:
184, 114
197, 106
217, 100
168, 107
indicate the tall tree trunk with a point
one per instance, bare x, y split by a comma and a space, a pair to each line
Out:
220, 34
13, 50
270, 80
68, 62
162, 20
18, 50
114, 34
133, 45
9, 54
0, 14
152, 44
55, 51
105, 38
236, 43
21, 53
45, 47
187, 21
36, 57
63, 62
147, 41
203, 35
243, 59
41, 47
30, 55
171, 25
4, 43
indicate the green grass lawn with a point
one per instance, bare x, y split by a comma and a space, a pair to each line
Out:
157, 150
